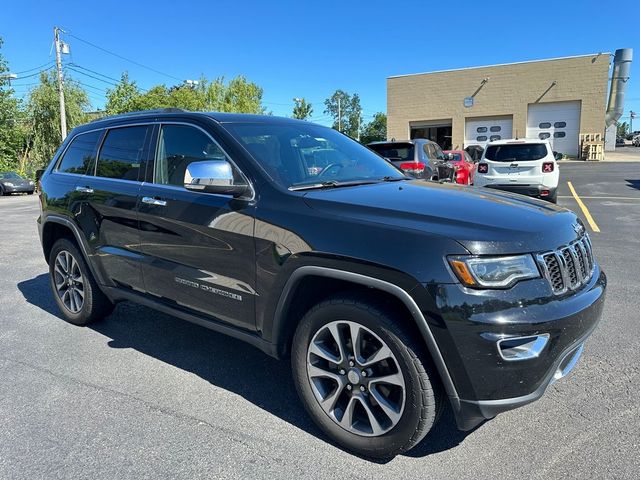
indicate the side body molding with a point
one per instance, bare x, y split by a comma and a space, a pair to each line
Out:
376, 283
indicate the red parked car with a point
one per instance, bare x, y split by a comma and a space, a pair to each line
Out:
464, 165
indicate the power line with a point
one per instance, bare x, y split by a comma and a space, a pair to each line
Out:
36, 74
36, 68
124, 58
92, 76
117, 80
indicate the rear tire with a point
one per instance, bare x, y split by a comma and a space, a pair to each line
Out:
75, 290
554, 198
370, 417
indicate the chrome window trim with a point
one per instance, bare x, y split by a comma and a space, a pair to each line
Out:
188, 124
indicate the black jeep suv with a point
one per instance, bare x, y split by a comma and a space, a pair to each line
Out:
390, 295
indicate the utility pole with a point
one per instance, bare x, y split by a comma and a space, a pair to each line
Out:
359, 119
339, 116
63, 113
632, 115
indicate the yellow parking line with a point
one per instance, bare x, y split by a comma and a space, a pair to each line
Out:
583, 207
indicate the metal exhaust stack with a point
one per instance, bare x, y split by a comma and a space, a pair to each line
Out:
619, 78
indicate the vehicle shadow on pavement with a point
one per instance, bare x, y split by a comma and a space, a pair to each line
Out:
220, 360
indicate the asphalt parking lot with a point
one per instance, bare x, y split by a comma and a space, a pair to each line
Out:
145, 395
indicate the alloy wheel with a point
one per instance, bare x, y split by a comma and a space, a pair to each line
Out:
69, 281
356, 378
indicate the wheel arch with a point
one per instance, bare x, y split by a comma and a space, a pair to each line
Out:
287, 312
55, 227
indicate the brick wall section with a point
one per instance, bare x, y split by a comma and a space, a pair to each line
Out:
509, 91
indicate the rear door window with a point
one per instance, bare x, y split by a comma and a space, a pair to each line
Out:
516, 152
122, 153
396, 152
81, 153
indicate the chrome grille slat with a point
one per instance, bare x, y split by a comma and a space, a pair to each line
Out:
569, 267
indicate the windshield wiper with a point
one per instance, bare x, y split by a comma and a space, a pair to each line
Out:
330, 184
394, 179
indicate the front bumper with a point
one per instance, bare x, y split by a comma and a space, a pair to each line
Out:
19, 188
472, 323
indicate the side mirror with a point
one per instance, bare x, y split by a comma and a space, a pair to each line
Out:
39, 174
213, 176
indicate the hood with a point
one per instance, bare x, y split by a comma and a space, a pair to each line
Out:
484, 221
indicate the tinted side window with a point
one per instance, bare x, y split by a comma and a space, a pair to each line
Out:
80, 154
122, 152
180, 145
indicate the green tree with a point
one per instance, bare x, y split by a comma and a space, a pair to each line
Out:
302, 109
239, 95
346, 112
124, 97
12, 126
375, 130
43, 112
622, 129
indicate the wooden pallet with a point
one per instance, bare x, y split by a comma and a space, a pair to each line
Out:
592, 147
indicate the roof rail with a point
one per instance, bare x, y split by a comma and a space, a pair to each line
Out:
141, 112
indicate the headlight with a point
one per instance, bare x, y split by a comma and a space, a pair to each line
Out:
30, 182
493, 272
8, 184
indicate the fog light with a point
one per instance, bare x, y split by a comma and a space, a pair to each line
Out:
522, 348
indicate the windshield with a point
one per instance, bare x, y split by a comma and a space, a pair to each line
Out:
516, 152
307, 154
396, 152
12, 175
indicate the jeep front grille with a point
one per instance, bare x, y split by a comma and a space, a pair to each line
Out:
569, 267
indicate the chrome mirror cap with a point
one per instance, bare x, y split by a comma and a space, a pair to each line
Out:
200, 175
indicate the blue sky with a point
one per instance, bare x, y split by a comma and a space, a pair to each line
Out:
308, 49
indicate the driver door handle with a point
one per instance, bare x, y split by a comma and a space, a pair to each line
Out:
154, 201
84, 189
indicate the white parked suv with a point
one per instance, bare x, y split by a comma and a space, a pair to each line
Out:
525, 166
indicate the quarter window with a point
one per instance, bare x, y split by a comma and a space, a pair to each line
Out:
122, 153
544, 125
481, 129
80, 154
559, 135
180, 145
544, 135
560, 124
495, 128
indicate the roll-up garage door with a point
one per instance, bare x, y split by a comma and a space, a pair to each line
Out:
557, 121
480, 130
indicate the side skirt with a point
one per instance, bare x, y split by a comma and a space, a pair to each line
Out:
116, 294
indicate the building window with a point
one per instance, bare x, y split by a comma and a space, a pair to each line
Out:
559, 135
544, 135
495, 128
544, 125
481, 138
481, 129
493, 138
560, 124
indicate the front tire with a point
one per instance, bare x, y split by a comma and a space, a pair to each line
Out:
75, 290
363, 378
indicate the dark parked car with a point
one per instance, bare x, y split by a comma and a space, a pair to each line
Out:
218, 219
419, 157
11, 182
